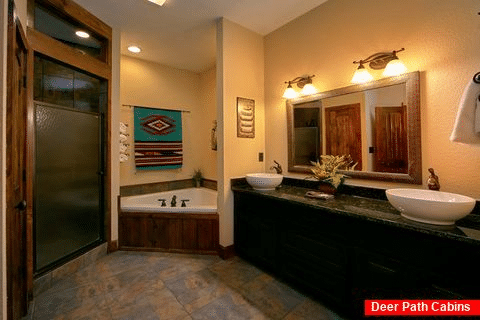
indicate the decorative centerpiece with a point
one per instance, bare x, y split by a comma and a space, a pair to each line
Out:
197, 178
327, 171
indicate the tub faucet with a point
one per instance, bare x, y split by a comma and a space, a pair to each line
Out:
277, 167
173, 203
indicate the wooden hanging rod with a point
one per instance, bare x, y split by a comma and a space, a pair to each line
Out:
180, 110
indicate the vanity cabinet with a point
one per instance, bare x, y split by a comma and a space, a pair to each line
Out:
256, 235
343, 259
294, 244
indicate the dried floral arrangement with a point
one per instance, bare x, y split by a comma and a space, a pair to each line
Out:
197, 177
328, 169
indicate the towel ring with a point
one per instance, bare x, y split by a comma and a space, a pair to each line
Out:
476, 77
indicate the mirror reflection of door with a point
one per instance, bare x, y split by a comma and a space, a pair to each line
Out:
343, 132
307, 133
390, 140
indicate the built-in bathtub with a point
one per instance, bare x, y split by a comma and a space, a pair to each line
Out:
198, 200
144, 224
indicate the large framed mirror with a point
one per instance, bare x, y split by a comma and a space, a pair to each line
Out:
377, 124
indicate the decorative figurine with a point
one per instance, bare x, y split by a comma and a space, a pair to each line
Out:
432, 181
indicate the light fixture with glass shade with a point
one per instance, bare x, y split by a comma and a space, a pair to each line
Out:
304, 83
361, 75
394, 68
378, 61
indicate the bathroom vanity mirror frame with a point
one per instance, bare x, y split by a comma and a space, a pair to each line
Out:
412, 84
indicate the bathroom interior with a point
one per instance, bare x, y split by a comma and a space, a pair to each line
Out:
440, 41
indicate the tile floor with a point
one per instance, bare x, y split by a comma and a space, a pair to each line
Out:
145, 285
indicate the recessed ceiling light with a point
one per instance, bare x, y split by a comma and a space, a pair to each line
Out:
134, 49
82, 34
159, 2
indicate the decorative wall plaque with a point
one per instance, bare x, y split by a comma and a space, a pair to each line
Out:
245, 118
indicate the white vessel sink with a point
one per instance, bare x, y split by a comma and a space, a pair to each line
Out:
264, 181
429, 206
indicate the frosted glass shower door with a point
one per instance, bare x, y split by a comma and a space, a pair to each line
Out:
68, 189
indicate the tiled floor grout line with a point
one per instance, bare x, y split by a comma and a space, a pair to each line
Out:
248, 283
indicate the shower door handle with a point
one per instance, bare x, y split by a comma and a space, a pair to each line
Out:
22, 205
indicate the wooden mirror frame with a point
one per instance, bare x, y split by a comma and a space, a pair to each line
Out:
412, 83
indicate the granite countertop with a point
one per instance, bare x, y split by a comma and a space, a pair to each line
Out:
375, 209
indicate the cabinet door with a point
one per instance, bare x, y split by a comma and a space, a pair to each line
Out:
315, 275
376, 276
256, 239
255, 233
388, 278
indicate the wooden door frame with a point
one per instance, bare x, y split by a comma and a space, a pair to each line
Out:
43, 44
15, 32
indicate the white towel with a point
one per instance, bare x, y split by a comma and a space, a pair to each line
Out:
123, 157
123, 128
467, 123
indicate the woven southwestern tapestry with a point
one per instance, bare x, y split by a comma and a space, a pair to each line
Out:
158, 139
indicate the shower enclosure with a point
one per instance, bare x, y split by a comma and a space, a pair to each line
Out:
69, 162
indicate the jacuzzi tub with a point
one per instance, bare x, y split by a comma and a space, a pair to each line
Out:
200, 200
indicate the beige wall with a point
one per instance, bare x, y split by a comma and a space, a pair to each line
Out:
150, 84
441, 41
208, 109
115, 118
240, 73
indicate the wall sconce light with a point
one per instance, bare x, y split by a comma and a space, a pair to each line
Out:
304, 83
381, 60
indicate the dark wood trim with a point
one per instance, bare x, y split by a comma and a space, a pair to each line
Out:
76, 12
185, 251
137, 189
18, 283
226, 252
209, 184
52, 48
112, 246
170, 215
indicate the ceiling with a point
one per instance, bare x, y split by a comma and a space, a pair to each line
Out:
181, 34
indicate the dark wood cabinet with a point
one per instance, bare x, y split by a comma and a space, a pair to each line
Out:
256, 235
343, 260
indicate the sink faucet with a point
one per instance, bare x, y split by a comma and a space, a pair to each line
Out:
173, 203
277, 167
432, 181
